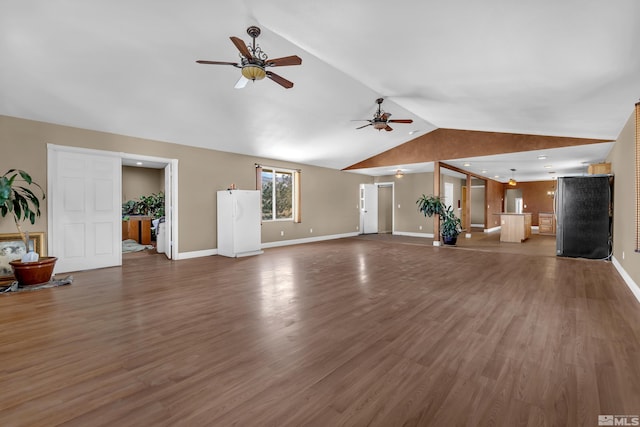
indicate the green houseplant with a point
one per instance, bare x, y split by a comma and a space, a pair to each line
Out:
152, 206
20, 197
450, 224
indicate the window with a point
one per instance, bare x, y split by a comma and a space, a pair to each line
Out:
278, 193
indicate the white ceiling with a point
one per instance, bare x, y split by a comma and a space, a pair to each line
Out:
546, 67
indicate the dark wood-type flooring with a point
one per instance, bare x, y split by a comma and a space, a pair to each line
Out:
357, 331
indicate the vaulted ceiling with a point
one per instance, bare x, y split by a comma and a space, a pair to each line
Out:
547, 68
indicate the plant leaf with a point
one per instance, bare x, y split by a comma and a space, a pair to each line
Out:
26, 177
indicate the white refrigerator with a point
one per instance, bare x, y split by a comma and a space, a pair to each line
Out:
239, 223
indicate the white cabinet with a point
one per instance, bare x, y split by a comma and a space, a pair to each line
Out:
239, 228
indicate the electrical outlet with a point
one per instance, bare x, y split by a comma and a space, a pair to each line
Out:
398, 205
420, 227
357, 228
281, 233
311, 230
622, 254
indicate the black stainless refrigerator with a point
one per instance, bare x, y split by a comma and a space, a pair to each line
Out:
583, 216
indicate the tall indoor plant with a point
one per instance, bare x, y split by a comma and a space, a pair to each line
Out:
450, 224
20, 197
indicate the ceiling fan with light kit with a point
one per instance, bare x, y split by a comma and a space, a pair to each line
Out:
253, 62
381, 119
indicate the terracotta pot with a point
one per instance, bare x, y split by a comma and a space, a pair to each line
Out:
34, 273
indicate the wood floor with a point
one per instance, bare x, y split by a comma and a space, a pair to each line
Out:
347, 332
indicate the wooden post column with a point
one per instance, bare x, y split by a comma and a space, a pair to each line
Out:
467, 207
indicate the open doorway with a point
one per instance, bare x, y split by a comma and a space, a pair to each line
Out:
143, 209
155, 173
477, 200
385, 209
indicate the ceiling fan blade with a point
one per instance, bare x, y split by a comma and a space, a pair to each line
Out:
364, 126
244, 50
241, 83
401, 121
287, 60
280, 80
235, 64
388, 128
385, 116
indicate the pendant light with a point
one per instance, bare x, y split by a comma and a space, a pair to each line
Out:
512, 181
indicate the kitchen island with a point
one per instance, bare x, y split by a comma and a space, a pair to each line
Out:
515, 227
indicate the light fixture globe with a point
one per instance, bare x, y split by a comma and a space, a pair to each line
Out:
379, 125
512, 181
253, 72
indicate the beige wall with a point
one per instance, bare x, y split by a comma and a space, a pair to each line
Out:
139, 181
622, 160
407, 191
329, 197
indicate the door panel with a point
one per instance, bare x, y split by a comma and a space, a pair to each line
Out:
85, 227
369, 209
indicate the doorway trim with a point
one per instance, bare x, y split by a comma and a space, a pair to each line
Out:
170, 167
393, 203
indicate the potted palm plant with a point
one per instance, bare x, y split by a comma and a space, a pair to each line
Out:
450, 224
20, 197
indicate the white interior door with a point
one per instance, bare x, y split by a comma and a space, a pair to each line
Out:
448, 194
369, 208
84, 224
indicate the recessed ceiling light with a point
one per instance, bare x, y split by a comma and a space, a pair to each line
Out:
411, 132
542, 157
548, 166
484, 171
496, 176
552, 171
139, 163
467, 164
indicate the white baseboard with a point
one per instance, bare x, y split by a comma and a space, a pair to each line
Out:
477, 225
209, 252
491, 230
197, 254
633, 286
410, 234
306, 240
